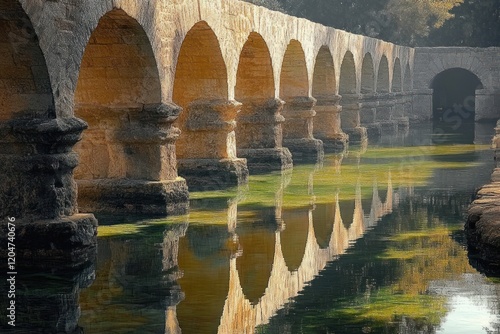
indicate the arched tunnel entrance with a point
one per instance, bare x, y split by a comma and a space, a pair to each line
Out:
453, 105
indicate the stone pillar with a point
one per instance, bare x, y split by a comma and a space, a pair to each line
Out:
399, 114
207, 156
259, 136
368, 115
298, 129
327, 123
38, 190
385, 108
350, 116
139, 172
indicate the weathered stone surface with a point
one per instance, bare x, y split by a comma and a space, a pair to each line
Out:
212, 174
483, 225
133, 196
327, 123
69, 241
483, 62
263, 160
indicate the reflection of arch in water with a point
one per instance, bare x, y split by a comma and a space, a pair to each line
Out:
241, 316
323, 228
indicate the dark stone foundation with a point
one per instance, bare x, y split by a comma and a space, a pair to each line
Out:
169, 197
211, 174
263, 160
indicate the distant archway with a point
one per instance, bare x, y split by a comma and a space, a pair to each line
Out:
453, 103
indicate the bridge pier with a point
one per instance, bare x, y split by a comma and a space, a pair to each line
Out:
39, 193
368, 115
207, 156
128, 161
384, 113
298, 129
327, 125
259, 136
398, 111
350, 116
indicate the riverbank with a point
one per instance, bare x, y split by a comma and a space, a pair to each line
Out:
483, 223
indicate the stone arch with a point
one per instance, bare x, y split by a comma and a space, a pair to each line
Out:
200, 77
454, 99
383, 76
25, 90
367, 75
348, 84
324, 82
294, 79
118, 79
397, 84
407, 84
254, 78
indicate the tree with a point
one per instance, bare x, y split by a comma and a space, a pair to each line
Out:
475, 23
411, 21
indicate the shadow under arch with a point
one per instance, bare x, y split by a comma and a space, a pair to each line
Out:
397, 83
383, 76
454, 105
25, 90
407, 81
367, 75
347, 84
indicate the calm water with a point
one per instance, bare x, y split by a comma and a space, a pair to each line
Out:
370, 241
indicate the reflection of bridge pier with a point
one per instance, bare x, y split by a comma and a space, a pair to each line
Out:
39, 309
286, 279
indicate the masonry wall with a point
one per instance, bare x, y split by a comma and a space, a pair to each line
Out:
483, 62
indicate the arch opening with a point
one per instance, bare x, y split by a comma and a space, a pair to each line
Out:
324, 82
25, 90
383, 76
367, 75
254, 78
200, 87
347, 84
454, 105
294, 81
118, 78
407, 86
397, 84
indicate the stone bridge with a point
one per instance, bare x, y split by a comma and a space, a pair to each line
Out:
132, 101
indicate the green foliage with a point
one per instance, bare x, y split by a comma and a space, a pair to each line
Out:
406, 22
475, 23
